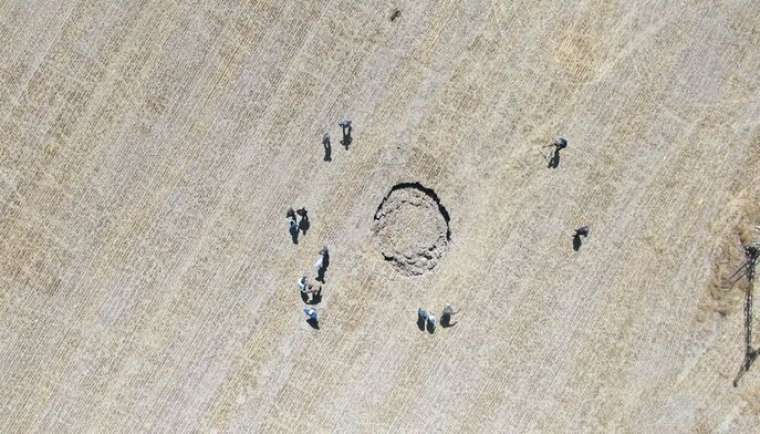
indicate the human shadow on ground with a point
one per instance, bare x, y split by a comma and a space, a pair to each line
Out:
554, 160
581, 232
328, 147
304, 224
577, 242
752, 254
346, 141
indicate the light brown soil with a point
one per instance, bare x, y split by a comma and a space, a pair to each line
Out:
149, 149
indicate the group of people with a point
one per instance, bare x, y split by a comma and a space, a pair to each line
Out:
345, 126
426, 320
309, 293
298, 222
297, 226
312, 294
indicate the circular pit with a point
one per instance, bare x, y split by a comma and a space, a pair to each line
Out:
411, 228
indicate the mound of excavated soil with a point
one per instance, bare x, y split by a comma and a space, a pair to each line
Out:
412, 229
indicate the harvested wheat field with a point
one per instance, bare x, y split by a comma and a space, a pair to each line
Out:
149, 152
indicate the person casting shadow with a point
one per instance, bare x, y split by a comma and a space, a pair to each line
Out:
309, 295
311, 317
422, 316
322, 263
304, 224
582, 231
448, 313
292, 225
345, 126
425, 320
558, 145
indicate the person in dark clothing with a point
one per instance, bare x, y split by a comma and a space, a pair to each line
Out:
345, 126
304, 224
582, 231
558, 145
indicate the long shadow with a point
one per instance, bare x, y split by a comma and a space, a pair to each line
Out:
577, 242
346, 141
752, 253
328, 147
554, 160
304, 224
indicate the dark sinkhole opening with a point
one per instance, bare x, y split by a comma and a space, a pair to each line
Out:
411, 228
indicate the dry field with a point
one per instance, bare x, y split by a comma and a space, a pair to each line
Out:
149, 151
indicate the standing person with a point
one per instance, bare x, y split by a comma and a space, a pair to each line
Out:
345, 126
559, 144
422, 317
303, 283
323, 261
293, 230
448, 313
311, 317
425, 320
292, 225
305, 223
431, 323
582, 231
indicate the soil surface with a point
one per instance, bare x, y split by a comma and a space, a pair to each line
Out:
149, 151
